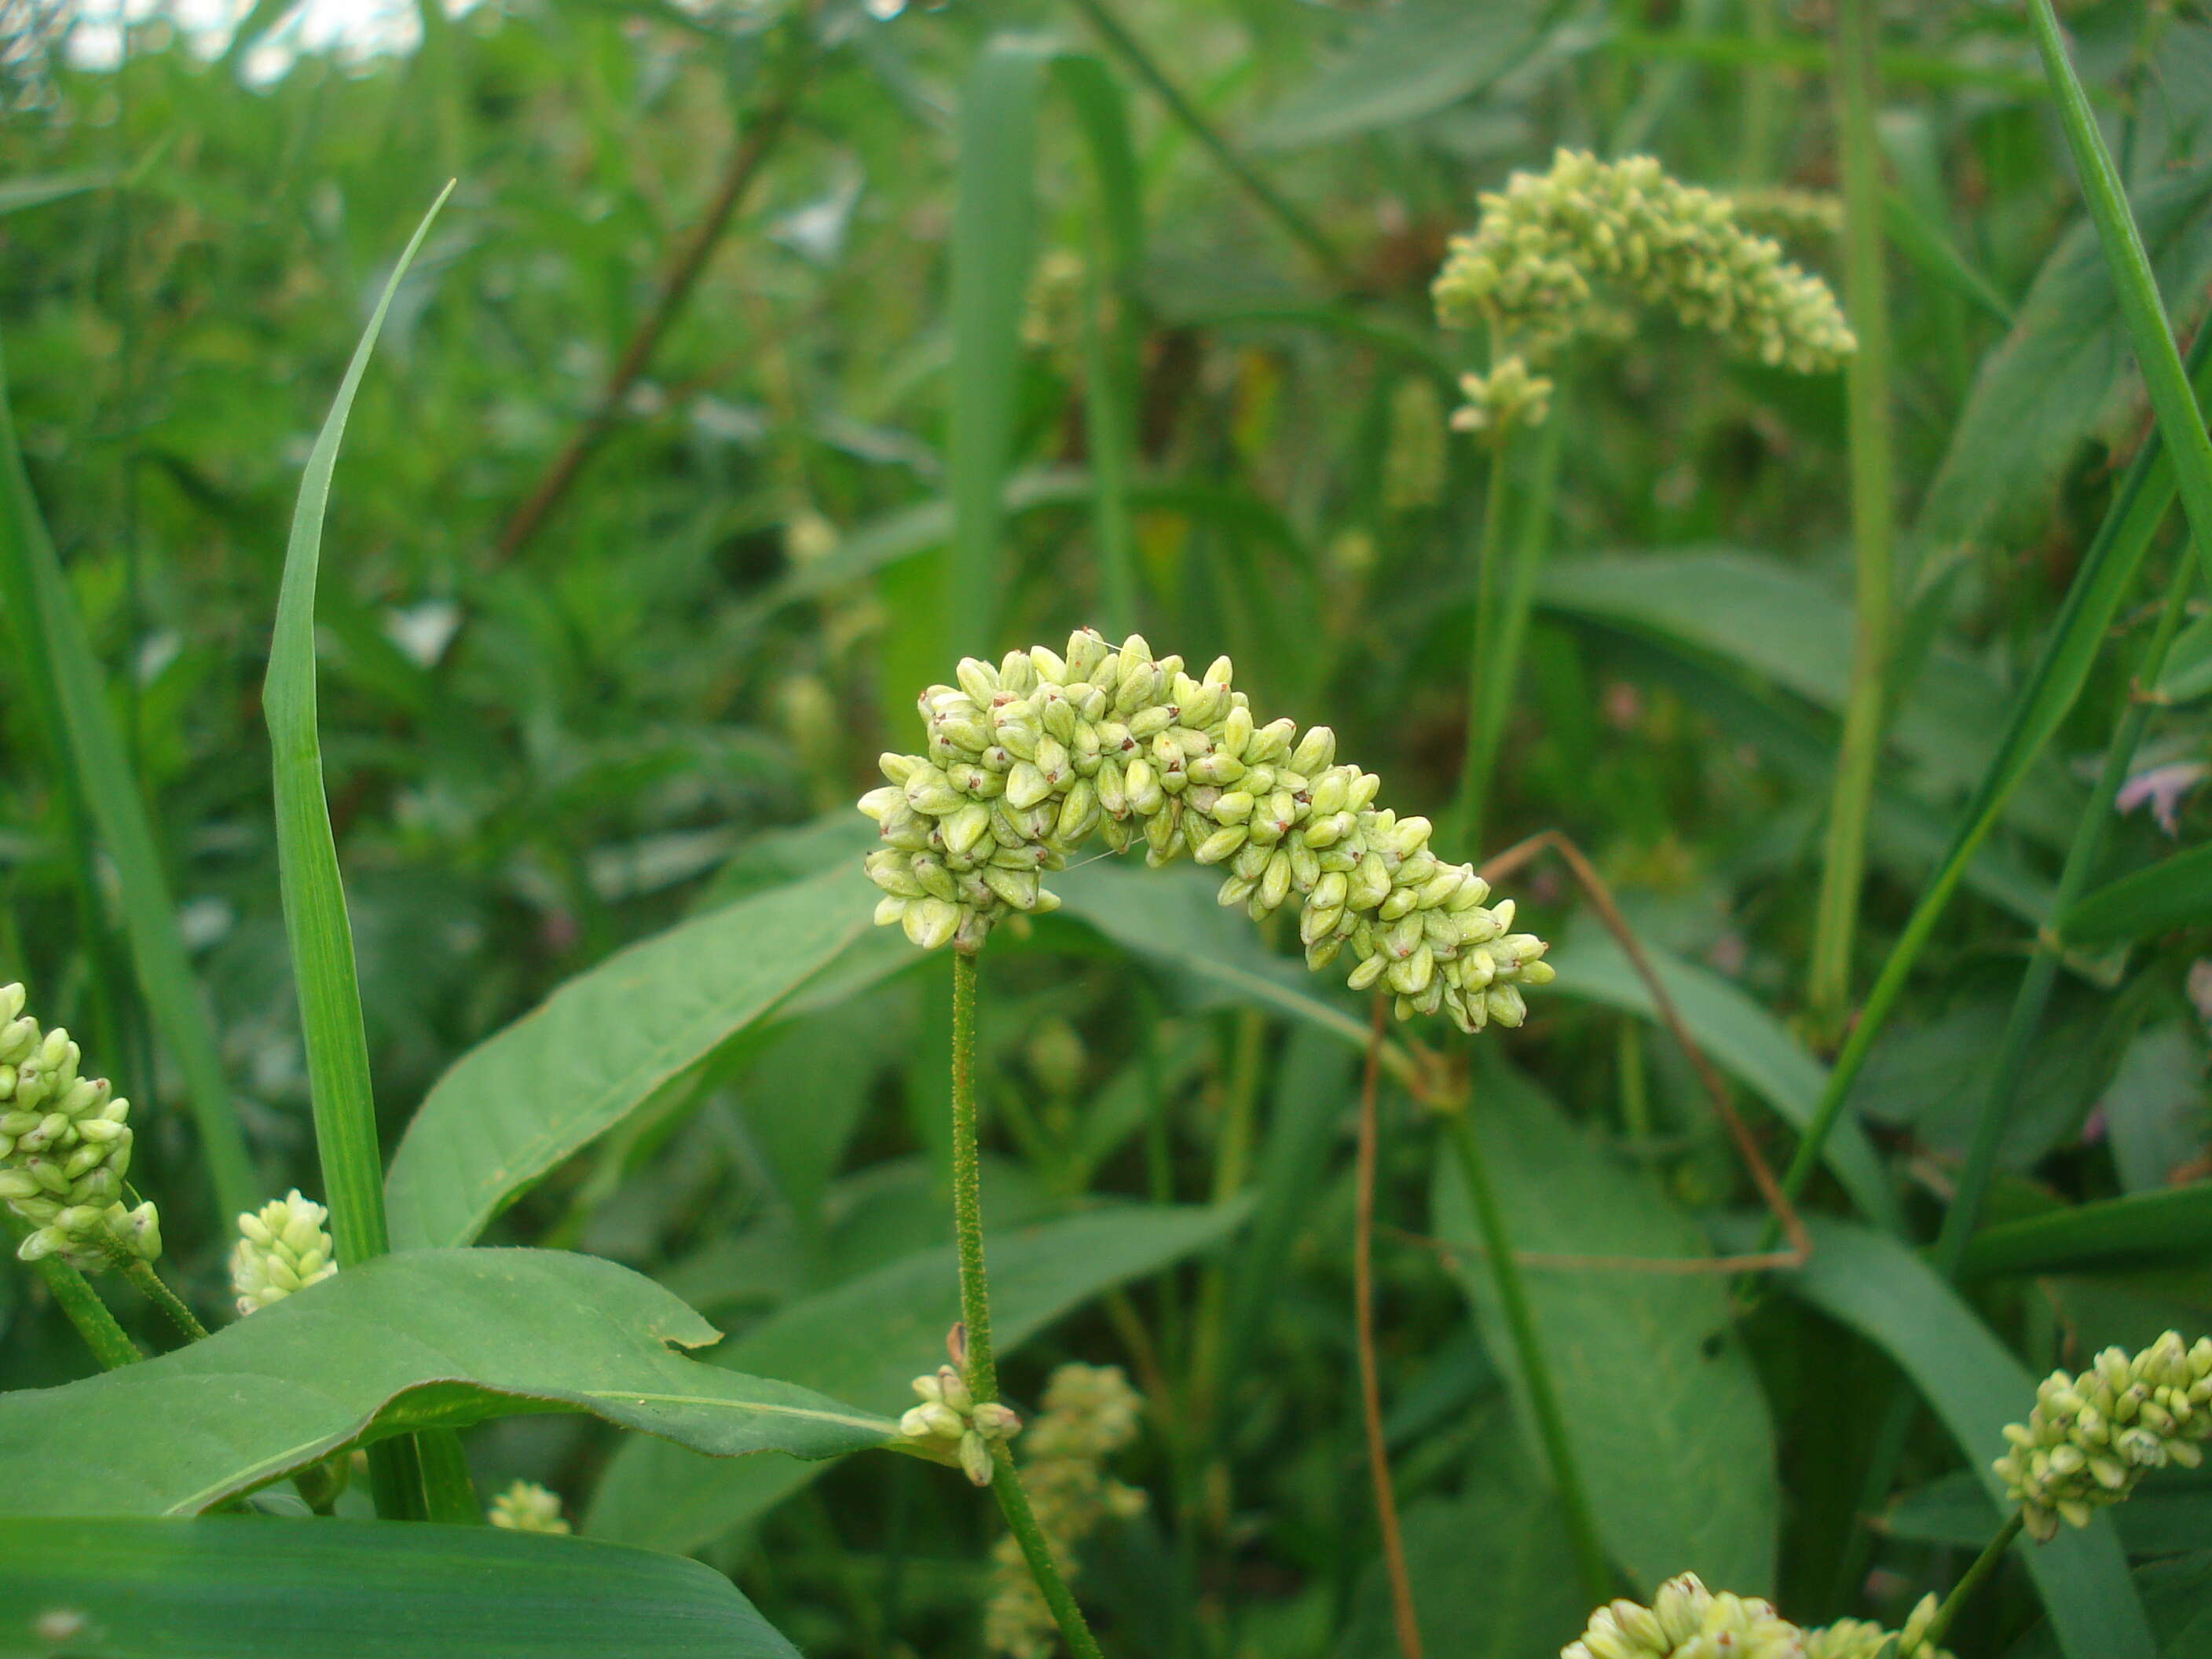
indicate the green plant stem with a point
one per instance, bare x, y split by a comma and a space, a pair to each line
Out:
73, 1294
1483, 721
2107, 570
1528, 1353
1109, 434
980, 1367
1232, 1158
1970, 1580
1132, 52
150, 1285
1873, 519
2144, 312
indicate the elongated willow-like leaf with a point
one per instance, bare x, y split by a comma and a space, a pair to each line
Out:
251, 1588
864, 1340
2161, 1228
516, 1105
422, 1338
315, 923
55, 654
1892, 1297
2164, 376
2175, 892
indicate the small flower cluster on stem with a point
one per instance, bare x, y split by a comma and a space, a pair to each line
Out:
64, 1148
280, 1249
2092, 1436
949, 1414
1686, 1620
526, 1506
1026, 760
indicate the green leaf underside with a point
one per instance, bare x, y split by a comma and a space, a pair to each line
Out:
1667, 1422
422, 1338
1888, 1294
512, 1108
255, 1588
867, 1339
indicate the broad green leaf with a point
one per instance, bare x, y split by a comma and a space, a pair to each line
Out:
240, 1587
515, 1106
867, 1339
1409, 60
2155, 1109
2177, 1595
1668, 1425
1895, 1300
2175, 892
424, 1339
2162, 1516
2145, 1229
2052, 379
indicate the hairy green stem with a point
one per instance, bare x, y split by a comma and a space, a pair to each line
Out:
1873, 519
73, 1294
149, 1284
981, 1365
1528, 1352
1970, 1580
1134, 52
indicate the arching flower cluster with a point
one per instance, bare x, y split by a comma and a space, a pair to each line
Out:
1686, 1620
2092, 1438
1554, 255
64, 1149
1026, 760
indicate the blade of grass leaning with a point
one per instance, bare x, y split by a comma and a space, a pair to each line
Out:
58, 652
1874, 515
2144, 312
2175, 892
315, 922
2070, 650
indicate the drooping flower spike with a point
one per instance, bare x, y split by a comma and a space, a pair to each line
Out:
2092, 1436
1686, 1620
64, 1148
1025, 761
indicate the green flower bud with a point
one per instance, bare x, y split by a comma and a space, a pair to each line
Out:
526, 1506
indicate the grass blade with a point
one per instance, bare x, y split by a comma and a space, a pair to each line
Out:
56, 650
2175, 892
2145, 1229
315, 922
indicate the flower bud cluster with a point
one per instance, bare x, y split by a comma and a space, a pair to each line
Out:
1789, 215
64, 1149
280, 1249
951, 1413
1089, 1413
1686, 1620
2091, 1437
1508, 396
1027, 759
1550, 251
526, 1506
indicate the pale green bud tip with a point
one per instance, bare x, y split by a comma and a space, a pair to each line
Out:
2092, 1436
281, 1248
526, 1506
1022, 762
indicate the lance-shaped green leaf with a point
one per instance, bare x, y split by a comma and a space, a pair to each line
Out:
515, 1106
2175, 892
425, 1338
2161, 1228
238, 1586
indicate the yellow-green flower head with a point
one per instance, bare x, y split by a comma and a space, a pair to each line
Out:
526, 1506
2092, 1438
64, 1149
1508, 396
1858, 1638
950, 1413
1686, 1620
281, 1248
1026, 760
1553, 255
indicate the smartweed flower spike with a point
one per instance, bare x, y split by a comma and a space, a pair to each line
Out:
526, 1506
64, 1149
1025, 760
949, 1413
2091, 1437
1553, 255
1089, 1413
280, 1249
1686, 1620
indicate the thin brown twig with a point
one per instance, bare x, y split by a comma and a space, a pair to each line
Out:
1716, 1087
680, 277
1370, 1384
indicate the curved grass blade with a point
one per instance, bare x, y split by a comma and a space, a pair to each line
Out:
2159, 1229
248, 1588
418, 1340
2175, 892
56, 652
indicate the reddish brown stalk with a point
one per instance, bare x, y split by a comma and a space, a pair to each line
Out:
1370, 1384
